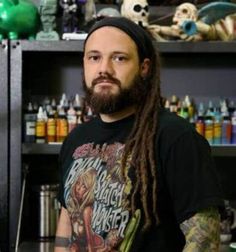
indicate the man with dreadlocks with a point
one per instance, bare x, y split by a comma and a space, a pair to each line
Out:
137, 177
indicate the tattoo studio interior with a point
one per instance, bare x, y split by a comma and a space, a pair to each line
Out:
42, 100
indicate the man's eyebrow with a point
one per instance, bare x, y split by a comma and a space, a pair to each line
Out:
114, 52
92, 51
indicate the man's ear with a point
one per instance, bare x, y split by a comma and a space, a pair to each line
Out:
145, 65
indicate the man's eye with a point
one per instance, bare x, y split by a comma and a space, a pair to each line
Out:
93, 58
119, 58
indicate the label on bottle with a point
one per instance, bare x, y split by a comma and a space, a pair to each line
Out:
51, 127
40, 129
30, 128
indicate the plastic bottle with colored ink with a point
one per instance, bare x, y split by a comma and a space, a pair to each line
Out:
77, 104
209, 127
184, 111
29, 127
167, 105
64, 102
40, 133
71, 118
231, 108
200, 123
62, 125
226, 124
51, 126
233, 122
217, 126
189, 104
173, 104
89, 115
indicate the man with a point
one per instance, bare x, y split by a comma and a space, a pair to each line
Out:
136, 177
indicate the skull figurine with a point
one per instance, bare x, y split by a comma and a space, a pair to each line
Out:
136, 10
185, 11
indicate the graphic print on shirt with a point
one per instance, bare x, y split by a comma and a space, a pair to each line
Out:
97, 197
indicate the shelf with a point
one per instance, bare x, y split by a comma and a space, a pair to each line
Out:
164, 47
224, 150
34, 148
197, 47
54, 149
48, 46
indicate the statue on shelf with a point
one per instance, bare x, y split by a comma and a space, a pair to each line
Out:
183, 12
75, 17
137, 11
214, 21
48, 10
18, 19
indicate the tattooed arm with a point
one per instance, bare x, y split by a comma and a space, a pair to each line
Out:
63, 234
202, 231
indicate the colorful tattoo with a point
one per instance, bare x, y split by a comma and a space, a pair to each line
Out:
202, 231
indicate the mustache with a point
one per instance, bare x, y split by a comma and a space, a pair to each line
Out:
107, 78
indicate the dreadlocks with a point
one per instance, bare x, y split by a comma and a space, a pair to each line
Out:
140, 145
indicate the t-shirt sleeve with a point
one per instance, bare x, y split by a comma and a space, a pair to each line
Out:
191, 176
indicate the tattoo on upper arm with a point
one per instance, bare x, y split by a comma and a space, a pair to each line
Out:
202, 231
63, 242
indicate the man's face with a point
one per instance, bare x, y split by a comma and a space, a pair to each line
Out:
111, 69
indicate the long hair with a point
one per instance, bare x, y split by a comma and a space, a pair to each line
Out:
141, 145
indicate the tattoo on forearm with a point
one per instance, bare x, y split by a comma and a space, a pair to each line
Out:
202, 231
63, 242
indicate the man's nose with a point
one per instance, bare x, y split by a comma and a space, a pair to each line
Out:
106, 66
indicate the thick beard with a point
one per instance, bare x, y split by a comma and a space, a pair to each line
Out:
108, 103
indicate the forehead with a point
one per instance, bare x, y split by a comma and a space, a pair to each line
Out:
111, 38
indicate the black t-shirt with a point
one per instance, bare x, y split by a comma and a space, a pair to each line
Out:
98, 200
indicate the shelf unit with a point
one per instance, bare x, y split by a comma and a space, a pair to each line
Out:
22, 52
4, 142
18, 50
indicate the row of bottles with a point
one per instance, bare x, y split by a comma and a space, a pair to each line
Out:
51, 122
216, 123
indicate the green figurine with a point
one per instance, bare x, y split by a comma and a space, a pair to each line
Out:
18, 19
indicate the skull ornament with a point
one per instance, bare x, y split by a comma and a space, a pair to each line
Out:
136, 10
185, 11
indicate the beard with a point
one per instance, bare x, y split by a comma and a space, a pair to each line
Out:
108, 103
